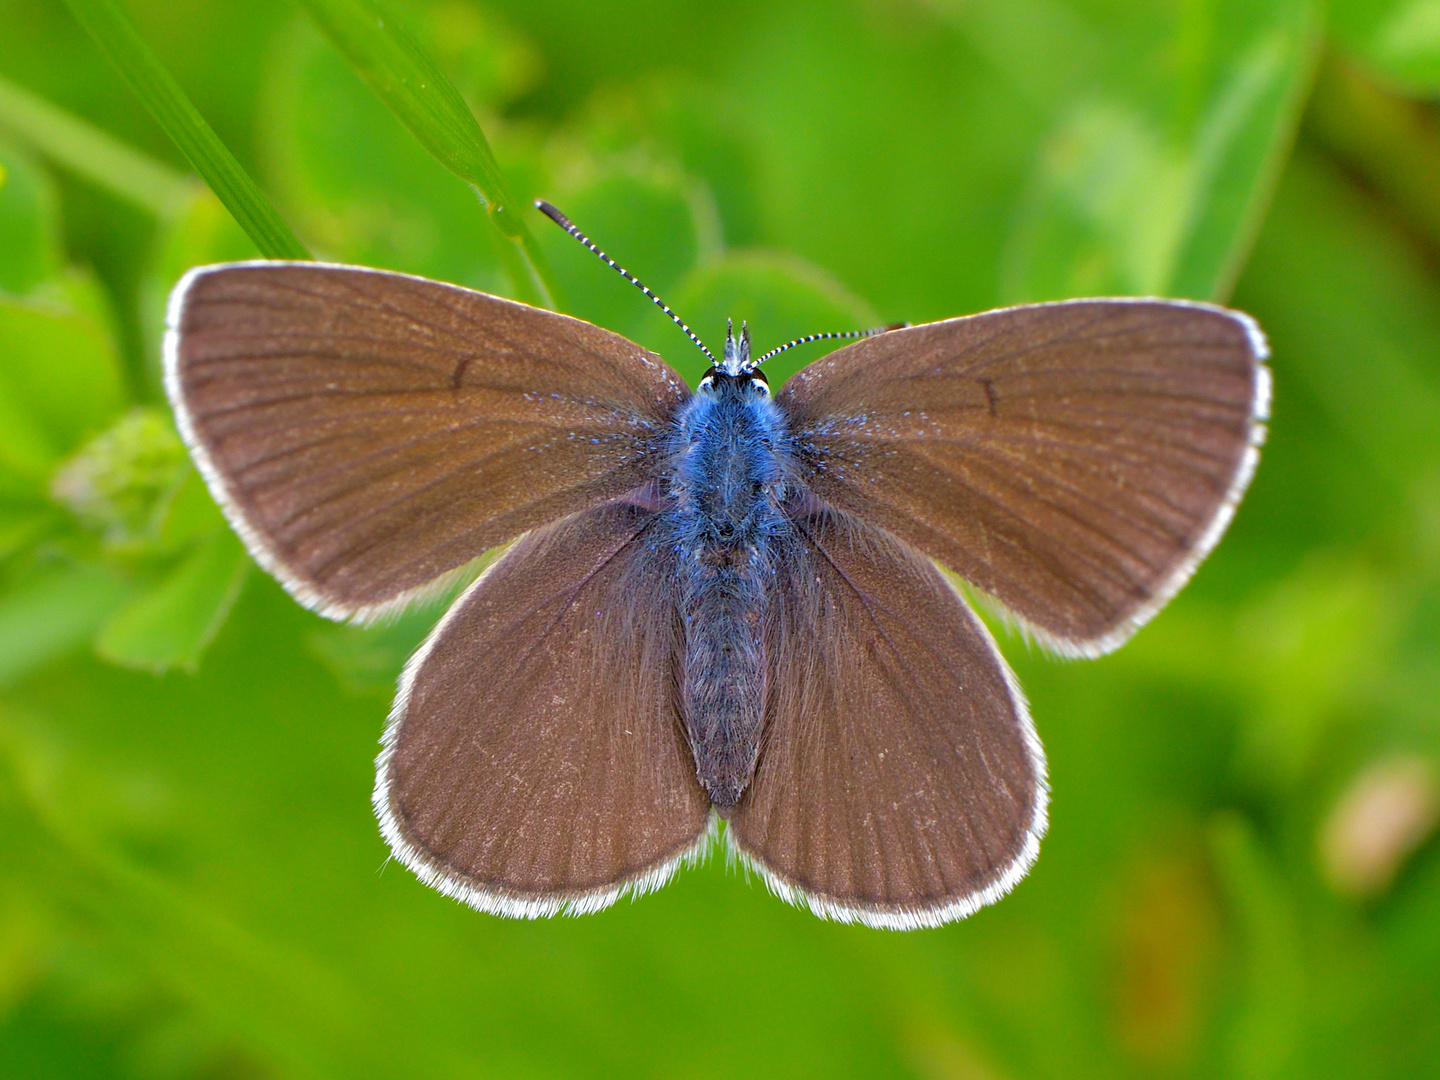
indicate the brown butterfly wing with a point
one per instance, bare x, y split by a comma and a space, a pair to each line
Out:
535, 761
366, 432
1074, 460
900, 782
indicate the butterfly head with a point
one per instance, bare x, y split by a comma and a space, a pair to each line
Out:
737, 350
736, 374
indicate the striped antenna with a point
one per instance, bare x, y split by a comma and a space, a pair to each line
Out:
827, 337
569, 226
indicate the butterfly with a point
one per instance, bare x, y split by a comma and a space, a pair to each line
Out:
720, 604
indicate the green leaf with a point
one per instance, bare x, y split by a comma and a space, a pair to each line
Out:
1312, 649
168, 104
390, 60
200, 231
122, 483
170, 626
21, 525
1151, 185
29, 223
60, 382
134, 487
1267, 1029
96, 839
189, 515
54, 612
1398, 40
366, 660
490, 61
86, 150
369, 659
989, 151
1337, 286
358, 182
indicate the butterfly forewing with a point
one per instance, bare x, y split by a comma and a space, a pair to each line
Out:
900, 782
535, 760
367, 431
1073, 460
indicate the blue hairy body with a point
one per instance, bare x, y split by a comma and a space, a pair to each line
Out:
726, 484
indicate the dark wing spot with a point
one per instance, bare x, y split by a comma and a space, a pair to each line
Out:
991, 398
458, 377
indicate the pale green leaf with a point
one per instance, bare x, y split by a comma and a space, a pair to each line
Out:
59, 382
121, 483
29, 222
200, 231
189, 515
83, 148
54, 612
170, 626
1151, 181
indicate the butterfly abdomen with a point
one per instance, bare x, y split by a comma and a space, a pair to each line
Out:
726, 481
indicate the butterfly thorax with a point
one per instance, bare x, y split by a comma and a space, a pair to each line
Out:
727, 483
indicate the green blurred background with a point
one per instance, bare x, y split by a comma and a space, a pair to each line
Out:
1240, 878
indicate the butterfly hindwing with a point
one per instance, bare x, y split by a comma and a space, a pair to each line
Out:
900, 782
535, 760
367, 432
1073, 460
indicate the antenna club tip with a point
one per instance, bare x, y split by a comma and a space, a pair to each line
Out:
553, 213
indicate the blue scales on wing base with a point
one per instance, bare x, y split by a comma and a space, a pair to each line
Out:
727, 482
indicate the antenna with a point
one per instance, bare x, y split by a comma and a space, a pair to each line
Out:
569, 226
827, 337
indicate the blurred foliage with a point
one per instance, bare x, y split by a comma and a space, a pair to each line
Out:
173, 110
384, 52
1241, 877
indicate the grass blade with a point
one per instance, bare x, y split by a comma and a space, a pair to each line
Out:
177, 115
89, 152
404, 76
